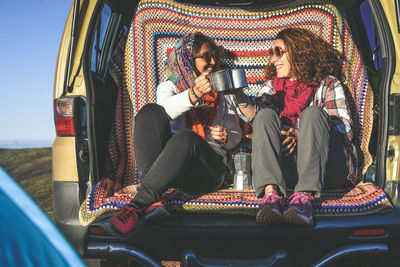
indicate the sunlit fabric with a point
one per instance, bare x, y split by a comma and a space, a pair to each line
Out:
28, 236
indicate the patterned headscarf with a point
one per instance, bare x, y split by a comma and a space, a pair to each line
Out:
179, 68
179, 64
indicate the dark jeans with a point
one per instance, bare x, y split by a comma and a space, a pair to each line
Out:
318, 162
165, 160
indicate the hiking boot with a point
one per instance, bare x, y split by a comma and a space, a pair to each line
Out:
123, 222
156, 211
300, 209
271, 209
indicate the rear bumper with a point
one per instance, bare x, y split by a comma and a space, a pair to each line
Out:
199, 240
66, 204
353, 251
229, 238
279, 258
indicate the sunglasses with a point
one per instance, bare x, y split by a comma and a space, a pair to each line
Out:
277, 51
207, 56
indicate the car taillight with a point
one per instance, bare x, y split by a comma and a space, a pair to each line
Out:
64, 116
369, 232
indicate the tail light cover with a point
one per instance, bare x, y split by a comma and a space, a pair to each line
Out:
64, 116
369, 232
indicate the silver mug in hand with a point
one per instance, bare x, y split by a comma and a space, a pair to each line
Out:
228, 80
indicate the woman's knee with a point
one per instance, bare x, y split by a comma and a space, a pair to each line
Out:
185, 138
150, 112
264, 117
314, 113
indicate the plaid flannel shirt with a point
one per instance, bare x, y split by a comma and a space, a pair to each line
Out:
332, 98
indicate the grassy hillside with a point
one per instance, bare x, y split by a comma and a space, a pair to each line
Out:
31, 168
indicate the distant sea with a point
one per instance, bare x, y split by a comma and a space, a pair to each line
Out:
15, 144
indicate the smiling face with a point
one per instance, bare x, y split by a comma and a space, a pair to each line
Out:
282, 65
205, 59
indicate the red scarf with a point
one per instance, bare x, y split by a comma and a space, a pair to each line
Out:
294, 97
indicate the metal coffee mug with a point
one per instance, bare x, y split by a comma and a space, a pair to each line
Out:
238, 78
227, 80
221, 81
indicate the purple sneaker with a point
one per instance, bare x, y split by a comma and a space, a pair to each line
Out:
300, 209
271, 209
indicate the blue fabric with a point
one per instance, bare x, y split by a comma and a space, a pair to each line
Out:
366, 15
27, 236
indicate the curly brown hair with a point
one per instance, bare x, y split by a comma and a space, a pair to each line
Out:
311, 57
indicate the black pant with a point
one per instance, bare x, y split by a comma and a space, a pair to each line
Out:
165, 160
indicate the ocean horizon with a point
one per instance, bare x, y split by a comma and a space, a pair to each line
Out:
19, 144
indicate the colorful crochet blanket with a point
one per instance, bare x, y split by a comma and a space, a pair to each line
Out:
246, 34
361, 200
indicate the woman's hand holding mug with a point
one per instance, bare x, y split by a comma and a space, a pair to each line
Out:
202, 86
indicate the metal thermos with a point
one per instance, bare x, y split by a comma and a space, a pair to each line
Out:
242, 178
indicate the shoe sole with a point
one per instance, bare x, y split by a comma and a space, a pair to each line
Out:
156, 214
267, 215
110, 229
292, 217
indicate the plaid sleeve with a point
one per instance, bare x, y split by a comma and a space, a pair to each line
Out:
266, 88
266, 97
331, 97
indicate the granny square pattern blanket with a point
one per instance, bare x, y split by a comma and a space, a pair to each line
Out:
364, 199
245, 34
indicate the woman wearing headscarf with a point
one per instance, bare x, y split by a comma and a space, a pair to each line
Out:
182, 140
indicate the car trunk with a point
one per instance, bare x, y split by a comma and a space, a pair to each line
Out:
216, 238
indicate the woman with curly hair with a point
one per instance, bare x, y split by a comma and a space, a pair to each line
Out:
302, 128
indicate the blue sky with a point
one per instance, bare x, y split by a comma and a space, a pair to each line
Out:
30, 37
